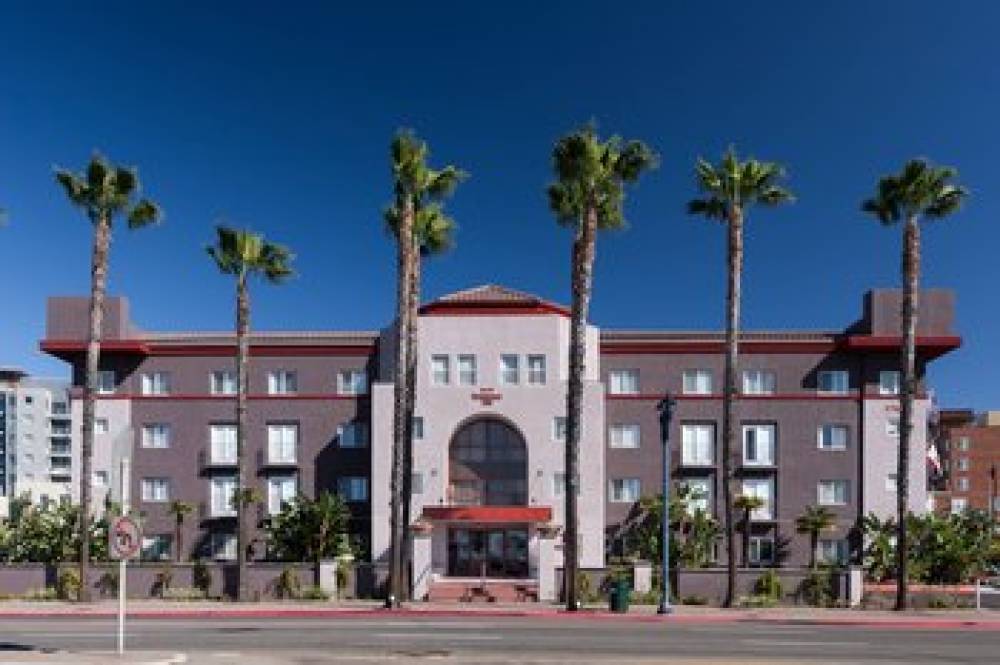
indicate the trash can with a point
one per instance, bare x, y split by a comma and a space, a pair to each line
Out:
620, 596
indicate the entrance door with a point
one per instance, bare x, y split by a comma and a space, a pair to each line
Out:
488, 552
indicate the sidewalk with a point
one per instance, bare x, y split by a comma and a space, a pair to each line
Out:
929, 619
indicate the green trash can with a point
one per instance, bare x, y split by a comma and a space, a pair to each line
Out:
621, 594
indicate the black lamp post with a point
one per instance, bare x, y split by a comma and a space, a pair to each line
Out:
666, 409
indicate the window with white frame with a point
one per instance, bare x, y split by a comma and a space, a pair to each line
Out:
155, 490
282, 442
761, 550
623, 382
418, 428
156, 435
758, 445
963, 464
697, 382
282, 382
831, 492
697, 444
624, 490
559, 428
963, 443
100, 479
890, 482
892, 427
224, 546
353, 489
222, 443
223, 496
622, 435
699, 494
101, 425
352, 382
105, 382
888, 382
758, 382
832, 437
536, 370
156, 547
962, 484
440, 370
223, 382
417, 483
959, 504
834, 382
467, 370
763, 489
280, 490
510, 369
156, 383
354, 434
833, 551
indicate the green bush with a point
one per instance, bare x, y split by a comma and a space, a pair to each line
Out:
769, 584
48, 593
162, 582
941, 602
313, 593
757, 601
694, 600
68, 584
817, 589
201, 577
107, 584
183, 593
287, 584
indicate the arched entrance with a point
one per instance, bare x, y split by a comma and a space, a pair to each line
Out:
488, 466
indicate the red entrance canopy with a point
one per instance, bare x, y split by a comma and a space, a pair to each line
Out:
492, 514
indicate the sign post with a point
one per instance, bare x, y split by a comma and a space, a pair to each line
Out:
124, 541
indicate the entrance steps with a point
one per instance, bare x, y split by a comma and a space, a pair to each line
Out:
471, 590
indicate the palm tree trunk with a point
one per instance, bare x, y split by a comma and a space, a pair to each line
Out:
911, 275
746, 539
734, 257
98, 287
413, 305
177, 539
401, 402
242, 358
582, 276
813, 545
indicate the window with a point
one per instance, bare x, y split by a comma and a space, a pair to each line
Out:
697, 444
282, 382
963, 484
223, 382
156, 383
280, 490
418, 428
156, 435
417, 483
623, 382
764, 490
510, 369
833, 551
155, 490
559, 485
761, 550
467, 370
223, 496
963, 464
624, 490
101, 425
354, 434
536, 370
758, 445
699, 495
888, 382
959, 504
353, 488
224, 546
963, 443
352, 382
282, 441
697, 382
440, 370
156, 547
834, 382
100, 479
890, 482
832, 437
222, 440
831, 492
28, 399
758, 382
623, 436
105, 382
892, 427
559, 429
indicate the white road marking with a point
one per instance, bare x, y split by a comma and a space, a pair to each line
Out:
435, 636
800, 643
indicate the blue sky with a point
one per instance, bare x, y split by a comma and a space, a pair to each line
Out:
278, 116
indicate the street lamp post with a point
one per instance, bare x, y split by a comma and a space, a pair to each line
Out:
666, 409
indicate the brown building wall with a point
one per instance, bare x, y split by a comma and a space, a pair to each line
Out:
973, 465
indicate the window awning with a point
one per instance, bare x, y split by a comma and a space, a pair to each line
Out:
488, 514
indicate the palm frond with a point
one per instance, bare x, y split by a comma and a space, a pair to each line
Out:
144, 213
919, 189
712, 208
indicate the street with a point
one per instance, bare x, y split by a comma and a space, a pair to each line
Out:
483, 640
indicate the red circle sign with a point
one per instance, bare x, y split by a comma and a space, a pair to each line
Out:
124, 539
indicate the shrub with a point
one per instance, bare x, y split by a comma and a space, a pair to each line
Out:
768, 584
313, 593
817, 589
941, 602
107, 584
162, 582
287, 584
48, 593
201, 577
342, 576
694, 600
757, 601
68, 584
183, 593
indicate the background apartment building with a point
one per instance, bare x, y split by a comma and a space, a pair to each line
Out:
968, 447
817, 422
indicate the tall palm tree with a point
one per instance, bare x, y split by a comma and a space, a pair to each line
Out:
813, 521
588, 194
919, 190
730, 188
417, 221
180, 510
746, 504
104, 192
243, 254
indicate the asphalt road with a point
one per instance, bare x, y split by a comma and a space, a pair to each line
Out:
488, 640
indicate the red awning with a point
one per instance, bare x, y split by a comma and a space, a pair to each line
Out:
491, 514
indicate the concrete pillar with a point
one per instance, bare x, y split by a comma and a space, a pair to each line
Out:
642, 577
328, 577
546, 569
422, 562
855, 586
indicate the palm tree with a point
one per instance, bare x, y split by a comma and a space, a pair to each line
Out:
812, 521
243, 254
179, 509
730, 189
746, 504
418, 223
588, 194
919, 190
104, 192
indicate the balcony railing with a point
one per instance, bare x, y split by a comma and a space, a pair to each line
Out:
207, 461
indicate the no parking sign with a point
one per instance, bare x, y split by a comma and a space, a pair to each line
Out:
124, 538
